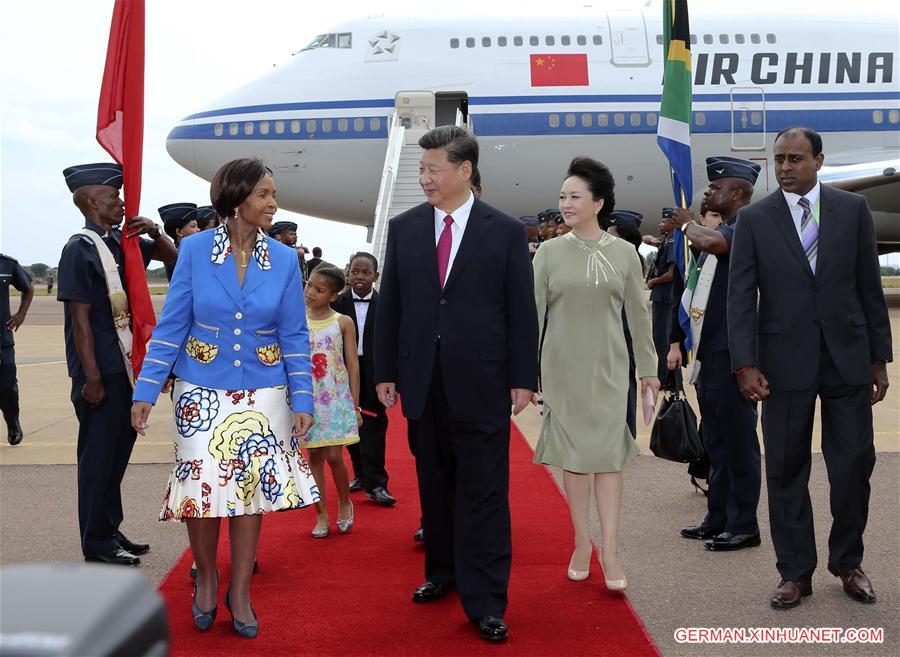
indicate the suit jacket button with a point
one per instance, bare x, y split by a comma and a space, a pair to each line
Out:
237, 363
443, 302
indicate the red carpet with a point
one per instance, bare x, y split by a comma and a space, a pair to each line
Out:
350, 595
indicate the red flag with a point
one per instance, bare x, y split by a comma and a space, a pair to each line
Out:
559, 70
120, 130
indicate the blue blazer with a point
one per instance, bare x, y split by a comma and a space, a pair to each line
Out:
214, 333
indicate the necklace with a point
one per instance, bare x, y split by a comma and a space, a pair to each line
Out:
244, 253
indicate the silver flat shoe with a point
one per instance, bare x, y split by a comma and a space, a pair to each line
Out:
345, 526
321, 532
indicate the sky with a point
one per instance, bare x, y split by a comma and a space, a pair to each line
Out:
51, 63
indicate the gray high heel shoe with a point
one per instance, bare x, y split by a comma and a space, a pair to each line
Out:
203, 619
243, 630
346, 525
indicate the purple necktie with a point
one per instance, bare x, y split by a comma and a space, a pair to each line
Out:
809, 233
445, 242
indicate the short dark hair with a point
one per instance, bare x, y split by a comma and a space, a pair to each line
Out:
334, 275
317, 252
630, 233
599, 180
476, 178
814, 138
367, 256
234, 182
459, 144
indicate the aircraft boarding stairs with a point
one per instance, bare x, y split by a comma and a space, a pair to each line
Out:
400, 188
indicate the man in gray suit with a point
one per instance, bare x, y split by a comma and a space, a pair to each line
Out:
820, 330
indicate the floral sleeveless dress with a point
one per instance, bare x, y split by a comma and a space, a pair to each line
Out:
335, 412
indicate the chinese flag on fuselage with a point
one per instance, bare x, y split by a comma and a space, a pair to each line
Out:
559, 70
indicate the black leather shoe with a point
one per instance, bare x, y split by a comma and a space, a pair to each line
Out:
15, 432
728, 541
429, 592
856, 584
381, 496
701, 532
134, 548
419, 535
117, 557
493, 628
356, 485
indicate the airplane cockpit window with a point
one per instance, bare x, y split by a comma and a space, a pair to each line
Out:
333, 40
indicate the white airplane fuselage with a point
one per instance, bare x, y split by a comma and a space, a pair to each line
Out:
321, 120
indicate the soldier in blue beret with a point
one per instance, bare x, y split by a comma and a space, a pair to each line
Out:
207, 217
179, 221
93, 288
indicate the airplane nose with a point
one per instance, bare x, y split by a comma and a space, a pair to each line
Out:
180, 145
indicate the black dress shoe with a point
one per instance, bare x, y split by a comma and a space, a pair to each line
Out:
701, 532
117, 557
381, 496
493, 628
15, 432
134, 548
419, 535
356, 485
728, 541
429, 592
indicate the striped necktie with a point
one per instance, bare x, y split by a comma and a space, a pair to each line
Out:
809, 233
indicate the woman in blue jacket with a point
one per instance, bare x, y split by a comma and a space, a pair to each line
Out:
233, 333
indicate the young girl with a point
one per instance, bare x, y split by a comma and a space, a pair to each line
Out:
335, 371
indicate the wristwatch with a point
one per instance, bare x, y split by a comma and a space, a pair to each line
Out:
155, 233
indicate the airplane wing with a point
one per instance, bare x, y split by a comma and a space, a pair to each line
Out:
874, 173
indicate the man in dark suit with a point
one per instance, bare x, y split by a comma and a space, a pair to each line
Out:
359, 303
820, 330
456, 331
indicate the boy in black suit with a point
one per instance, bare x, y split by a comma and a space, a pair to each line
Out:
359, 303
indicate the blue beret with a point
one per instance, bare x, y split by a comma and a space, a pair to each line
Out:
529, 221
731, 167
281, 226
205, 212
178, 214
667, 213
623, 217
99, 173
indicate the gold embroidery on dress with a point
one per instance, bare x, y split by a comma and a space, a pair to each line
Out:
597, 262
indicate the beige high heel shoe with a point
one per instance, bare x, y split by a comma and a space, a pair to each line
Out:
617, 585
578, 575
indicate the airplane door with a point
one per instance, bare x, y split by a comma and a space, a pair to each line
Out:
416, 109
748, 119
628, 38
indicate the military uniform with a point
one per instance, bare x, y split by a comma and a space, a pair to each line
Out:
661, 301
175, 216
11, 273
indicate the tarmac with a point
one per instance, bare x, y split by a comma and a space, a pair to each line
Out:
673, 583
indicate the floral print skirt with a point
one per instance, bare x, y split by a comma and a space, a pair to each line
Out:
235, 455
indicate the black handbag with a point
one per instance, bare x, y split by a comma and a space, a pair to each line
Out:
674, 436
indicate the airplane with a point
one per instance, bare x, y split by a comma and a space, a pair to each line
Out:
537, 91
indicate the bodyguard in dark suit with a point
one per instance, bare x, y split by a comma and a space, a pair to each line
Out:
101, 386
820, 330
729, 419
456, 331
360, 303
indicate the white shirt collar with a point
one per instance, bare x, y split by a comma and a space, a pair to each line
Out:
368, 296
812, 196
460, 215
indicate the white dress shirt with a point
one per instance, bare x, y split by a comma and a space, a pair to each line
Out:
797, 212
362, 311
457, 228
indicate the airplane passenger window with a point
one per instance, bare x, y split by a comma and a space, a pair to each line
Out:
602, 120
756, 118
570, 120
554, 120
894, 116
534, 41
565, 40
619, 120
375, 124
754, 38
877, 116
549, 40
295, 126
634, 119
263, 127
311, 125
659, 39
723, 38
587, 120
454, 43
770, 38
707, 38
518, 41
248, 128
344, 40
501, 41
693, 39
739, 38
485, 42
219, 130
233, 129
581, 40
598, 40
326, 125
651, 119
279, 127
700, 118
359, 125
470, 42
342, 125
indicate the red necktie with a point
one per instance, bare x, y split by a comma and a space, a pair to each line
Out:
443, 249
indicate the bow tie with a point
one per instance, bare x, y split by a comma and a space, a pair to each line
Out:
357, 300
